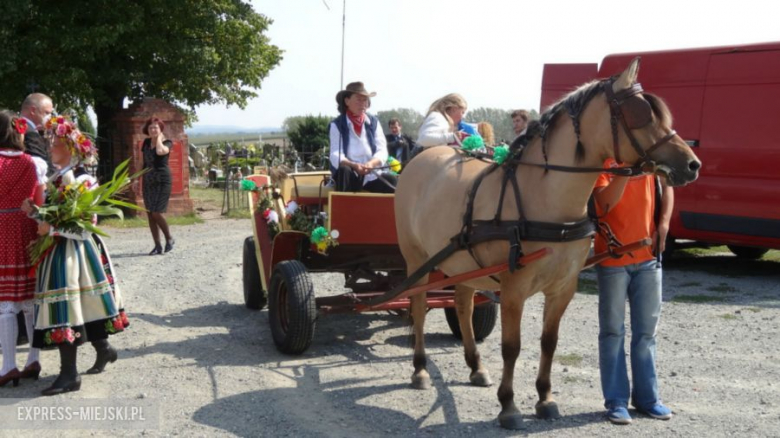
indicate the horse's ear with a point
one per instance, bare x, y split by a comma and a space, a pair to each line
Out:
628, 77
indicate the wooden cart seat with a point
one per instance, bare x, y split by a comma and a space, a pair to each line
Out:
308, 191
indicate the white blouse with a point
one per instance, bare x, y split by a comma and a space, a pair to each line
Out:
359, 148
435, 131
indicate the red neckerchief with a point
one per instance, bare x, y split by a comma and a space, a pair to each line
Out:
357, 122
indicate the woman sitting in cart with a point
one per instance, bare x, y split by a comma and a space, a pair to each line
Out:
358, 149
444, 122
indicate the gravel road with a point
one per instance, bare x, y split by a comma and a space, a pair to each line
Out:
211, 365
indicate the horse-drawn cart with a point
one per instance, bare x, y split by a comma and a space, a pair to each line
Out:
278, 260
276, 269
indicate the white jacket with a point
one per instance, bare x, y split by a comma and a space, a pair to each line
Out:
435, 131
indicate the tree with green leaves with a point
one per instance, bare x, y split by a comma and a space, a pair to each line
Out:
101, 52
310, 135
410, 120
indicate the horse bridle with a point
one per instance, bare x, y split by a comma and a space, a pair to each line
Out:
638, 116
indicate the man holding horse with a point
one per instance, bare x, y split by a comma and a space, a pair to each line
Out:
628, 206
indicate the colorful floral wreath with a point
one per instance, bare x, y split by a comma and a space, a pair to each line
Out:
78, 143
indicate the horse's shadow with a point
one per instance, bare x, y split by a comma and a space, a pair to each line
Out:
340, 406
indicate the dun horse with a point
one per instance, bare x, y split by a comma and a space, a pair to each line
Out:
602, 119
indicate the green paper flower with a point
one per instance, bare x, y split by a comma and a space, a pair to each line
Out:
319, 234
473, 143
248, 185
500, 154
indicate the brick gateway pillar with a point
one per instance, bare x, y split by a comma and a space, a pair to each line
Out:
127, 137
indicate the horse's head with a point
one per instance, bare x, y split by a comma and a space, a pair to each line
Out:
642, 131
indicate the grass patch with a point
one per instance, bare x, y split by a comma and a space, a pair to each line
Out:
240, 214
691, 284
571, 359
772, 255
697, 299
588, 286
137, 222
206, 195
701, 252
728, 316
753, 309
723, 288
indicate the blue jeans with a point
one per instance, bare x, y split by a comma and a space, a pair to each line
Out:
640, 284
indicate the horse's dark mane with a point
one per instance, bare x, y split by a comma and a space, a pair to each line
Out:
573, 103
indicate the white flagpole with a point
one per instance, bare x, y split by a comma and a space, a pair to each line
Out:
343, 31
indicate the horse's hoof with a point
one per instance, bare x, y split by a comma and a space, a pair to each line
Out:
421, 382
480, 378
511, 421
547, 411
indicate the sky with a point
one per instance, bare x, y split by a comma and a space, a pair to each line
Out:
411, 52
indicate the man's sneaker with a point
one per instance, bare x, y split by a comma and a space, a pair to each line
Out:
657, 411
619, 415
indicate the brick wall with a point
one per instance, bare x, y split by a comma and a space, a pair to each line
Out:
127, 136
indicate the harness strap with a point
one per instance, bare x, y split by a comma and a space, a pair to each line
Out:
468, 216
532, 231
619, 171
455, 245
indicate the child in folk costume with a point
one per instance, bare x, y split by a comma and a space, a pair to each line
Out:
19, 181
76, 297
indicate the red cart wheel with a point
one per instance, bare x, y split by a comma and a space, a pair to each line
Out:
292, 307
483, 320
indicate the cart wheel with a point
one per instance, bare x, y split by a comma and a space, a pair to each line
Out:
292, 307
254, 296
747, 252
483, 320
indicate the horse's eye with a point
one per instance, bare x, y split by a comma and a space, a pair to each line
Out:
637, 112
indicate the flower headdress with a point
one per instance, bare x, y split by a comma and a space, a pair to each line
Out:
80, 145
20, 125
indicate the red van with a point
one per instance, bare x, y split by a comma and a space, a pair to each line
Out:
726, 105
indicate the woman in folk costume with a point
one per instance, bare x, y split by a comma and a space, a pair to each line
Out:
18, 181
74, 299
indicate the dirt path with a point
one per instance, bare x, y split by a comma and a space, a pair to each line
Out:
212, 366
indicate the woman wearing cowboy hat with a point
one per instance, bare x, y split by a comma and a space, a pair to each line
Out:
358, 148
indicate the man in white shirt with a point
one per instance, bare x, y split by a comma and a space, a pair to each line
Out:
37, 108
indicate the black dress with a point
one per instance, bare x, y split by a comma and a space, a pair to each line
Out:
157, 181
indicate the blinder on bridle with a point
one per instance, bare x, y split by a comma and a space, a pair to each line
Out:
633, 112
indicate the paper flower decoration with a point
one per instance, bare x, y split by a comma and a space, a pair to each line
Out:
322, 239
319, 234
500, 153
473, 143
394, 164
248, 185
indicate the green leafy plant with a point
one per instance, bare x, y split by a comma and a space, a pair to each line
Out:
72, 207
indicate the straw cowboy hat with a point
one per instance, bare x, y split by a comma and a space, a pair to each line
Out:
353, 88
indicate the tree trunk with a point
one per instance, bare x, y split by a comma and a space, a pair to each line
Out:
105, 138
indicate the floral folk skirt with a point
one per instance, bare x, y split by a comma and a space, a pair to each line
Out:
74, 299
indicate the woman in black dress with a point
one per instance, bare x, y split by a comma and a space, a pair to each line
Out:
157, 182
